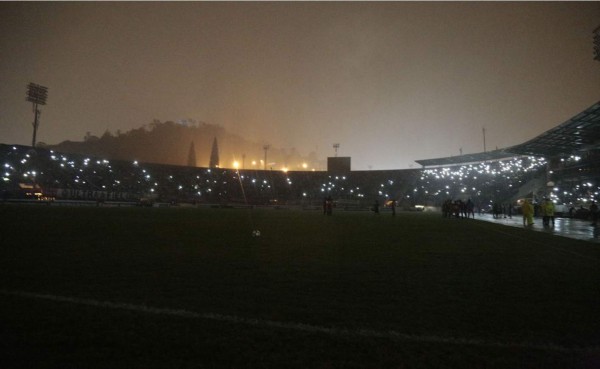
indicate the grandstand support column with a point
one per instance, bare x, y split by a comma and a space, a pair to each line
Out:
549, 182
551, 165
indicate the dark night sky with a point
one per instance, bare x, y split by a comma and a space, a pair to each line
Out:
391, 82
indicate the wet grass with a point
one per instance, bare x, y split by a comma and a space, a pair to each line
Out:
416, 274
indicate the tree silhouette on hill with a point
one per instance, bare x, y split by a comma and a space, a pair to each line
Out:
167, 143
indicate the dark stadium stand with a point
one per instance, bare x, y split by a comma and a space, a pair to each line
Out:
561, 163
572, 150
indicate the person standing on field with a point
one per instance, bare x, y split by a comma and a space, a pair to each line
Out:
527, 209
548, 211
470, 209
594, 213
329, 205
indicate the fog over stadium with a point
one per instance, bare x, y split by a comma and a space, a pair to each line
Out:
390, 82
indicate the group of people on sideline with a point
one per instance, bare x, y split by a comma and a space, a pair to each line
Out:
499, 210
328, 205
546, 209
466, 209
458, 209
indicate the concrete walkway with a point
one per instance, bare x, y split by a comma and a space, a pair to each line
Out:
566, 227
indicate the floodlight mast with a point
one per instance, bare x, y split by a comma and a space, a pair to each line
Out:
37, 95
483, 129
266, 148
336, 146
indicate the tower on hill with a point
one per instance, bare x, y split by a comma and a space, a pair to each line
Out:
191, 162
214, 155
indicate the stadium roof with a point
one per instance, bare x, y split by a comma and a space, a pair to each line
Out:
578, 134
469, 158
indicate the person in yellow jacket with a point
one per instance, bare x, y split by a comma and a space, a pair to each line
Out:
527, 209
548, 211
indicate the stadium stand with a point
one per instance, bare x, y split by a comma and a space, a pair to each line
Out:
571, 151
561, 163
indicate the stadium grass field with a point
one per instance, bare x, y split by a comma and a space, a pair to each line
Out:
191, 288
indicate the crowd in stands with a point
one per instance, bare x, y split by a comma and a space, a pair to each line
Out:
77, 177
483, 183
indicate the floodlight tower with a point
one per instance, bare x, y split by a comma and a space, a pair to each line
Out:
336, 146
483, 129
37, 95
266, 148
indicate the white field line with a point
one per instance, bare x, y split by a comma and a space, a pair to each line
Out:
302, 327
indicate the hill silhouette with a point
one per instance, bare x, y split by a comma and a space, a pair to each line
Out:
170, 143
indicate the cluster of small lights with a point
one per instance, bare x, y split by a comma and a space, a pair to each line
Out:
473, 179
572, 158
482, 181
581, 193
